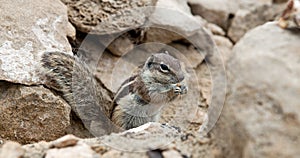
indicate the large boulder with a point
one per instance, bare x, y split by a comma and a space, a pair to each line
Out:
261, 115
28, 29
31, 114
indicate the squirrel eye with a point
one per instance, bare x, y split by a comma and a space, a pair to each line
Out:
149, 64
164, 68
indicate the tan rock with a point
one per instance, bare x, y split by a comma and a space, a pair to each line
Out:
40, 29
106, 17
215, 29
66, 141
113, 71
78, 151
152, 135
12, 150
198, 117
30, 114
120, 46
171, 154
224, 46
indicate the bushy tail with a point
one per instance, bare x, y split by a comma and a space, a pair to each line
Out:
88, 99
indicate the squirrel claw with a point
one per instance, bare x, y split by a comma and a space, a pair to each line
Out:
180, 89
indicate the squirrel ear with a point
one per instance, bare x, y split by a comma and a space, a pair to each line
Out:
149, 62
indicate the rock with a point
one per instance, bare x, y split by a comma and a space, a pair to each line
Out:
171, 154
120, 46
204, 79
236, 16
151, 135
183, 145
224, 46
66, 141
113, 71
30, 114
117, 153
80, 151
290, 17
36, 150
194, 58
12, 150
261, 116
248, 18
106, 17
22, 41
215, 11
215, 29
198, 117
280, 1
165, 29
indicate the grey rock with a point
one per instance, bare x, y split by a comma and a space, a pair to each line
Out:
215, 11
248, 18
260, 117
165, 29
29, 28
193, 57
143, 138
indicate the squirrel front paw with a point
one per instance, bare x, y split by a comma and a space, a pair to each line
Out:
180, 88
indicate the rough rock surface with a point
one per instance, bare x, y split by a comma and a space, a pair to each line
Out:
193, 57
104, 17
248, 18
243, 15
219, 12
30, 114
113, 71
224, 46
152, 139
260, 117
165, 29
21, 41
261, 113
120, 46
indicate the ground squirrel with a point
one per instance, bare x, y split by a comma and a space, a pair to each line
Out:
138, 100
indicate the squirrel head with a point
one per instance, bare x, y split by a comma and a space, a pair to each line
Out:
165, 71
